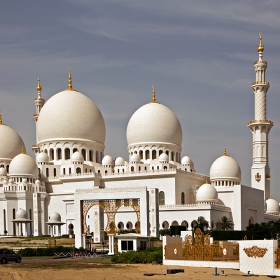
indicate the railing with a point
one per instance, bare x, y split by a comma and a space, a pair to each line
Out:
260, 83
260, 121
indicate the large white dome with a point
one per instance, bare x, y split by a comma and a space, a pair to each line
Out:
10, 143
70, 115
23, 165
225, 167
154, 123
272, 206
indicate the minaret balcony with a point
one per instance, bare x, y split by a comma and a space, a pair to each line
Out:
260, 83
260, 122
260, 62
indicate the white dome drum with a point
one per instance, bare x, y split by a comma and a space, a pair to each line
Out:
70, 115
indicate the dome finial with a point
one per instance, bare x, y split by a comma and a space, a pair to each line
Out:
39, 88
1, 117
206, 181
23, 150
153, 95
225, 152
260, 47
69, 80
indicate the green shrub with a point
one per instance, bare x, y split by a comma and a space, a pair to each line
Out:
31, 252
145, 256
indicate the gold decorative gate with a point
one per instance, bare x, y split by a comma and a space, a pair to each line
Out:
111, 207
198, 248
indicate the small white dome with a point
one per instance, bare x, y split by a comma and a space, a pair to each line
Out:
186, 160
3, 171
107, 160
24, 180
163, 157
119, 161
5, 182
207, 193
272, 206
11, 180
21, 214
23, 164
77, 156
42, 157
37, 182
225, 167
135, 158
55, 217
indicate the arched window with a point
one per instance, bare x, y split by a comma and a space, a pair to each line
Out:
160, 152
51, 154
120, 225
154, 154
129, 226
141, 154
69, 170
172, 156
7, 168
182, 198
147, 154
47, 172
132, 168
96, 157
84, 154
58, 151
165, 225
75, 150
78, 170
67, 153
54, 172
161, 196
174, 223
139, 168
63, 171
90, 155
185, 224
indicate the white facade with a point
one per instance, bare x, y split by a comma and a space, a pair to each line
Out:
71, 168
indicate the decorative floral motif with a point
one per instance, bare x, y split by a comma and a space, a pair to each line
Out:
255, 252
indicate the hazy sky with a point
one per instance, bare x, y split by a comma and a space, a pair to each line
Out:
198, 54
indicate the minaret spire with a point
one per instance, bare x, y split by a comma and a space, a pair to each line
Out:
260, 127
39, 103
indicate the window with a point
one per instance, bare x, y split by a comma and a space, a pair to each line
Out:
84, 153
182, 198
90, 155
141, 154
78, 170
161, 198
54, 172
67, 153
154, 154
127, 245
147, 154
51, 154
59, 153
47, 172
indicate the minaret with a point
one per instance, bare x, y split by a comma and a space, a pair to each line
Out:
260, 127
39, 103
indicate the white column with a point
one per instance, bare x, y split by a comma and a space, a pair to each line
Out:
111, 245
59, 230
84, 241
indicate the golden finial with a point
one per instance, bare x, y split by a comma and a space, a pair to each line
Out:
260, 47
225, 152
69, 80
206, 181
23, 150
1, 117
270, 197
153, 95
39, 88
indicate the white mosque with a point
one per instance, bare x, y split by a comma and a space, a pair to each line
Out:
72, 182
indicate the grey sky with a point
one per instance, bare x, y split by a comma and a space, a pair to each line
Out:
198, 54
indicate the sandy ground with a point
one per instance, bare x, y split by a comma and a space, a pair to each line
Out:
116, 272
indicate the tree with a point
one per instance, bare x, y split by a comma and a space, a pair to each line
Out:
202, 223
224, 223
